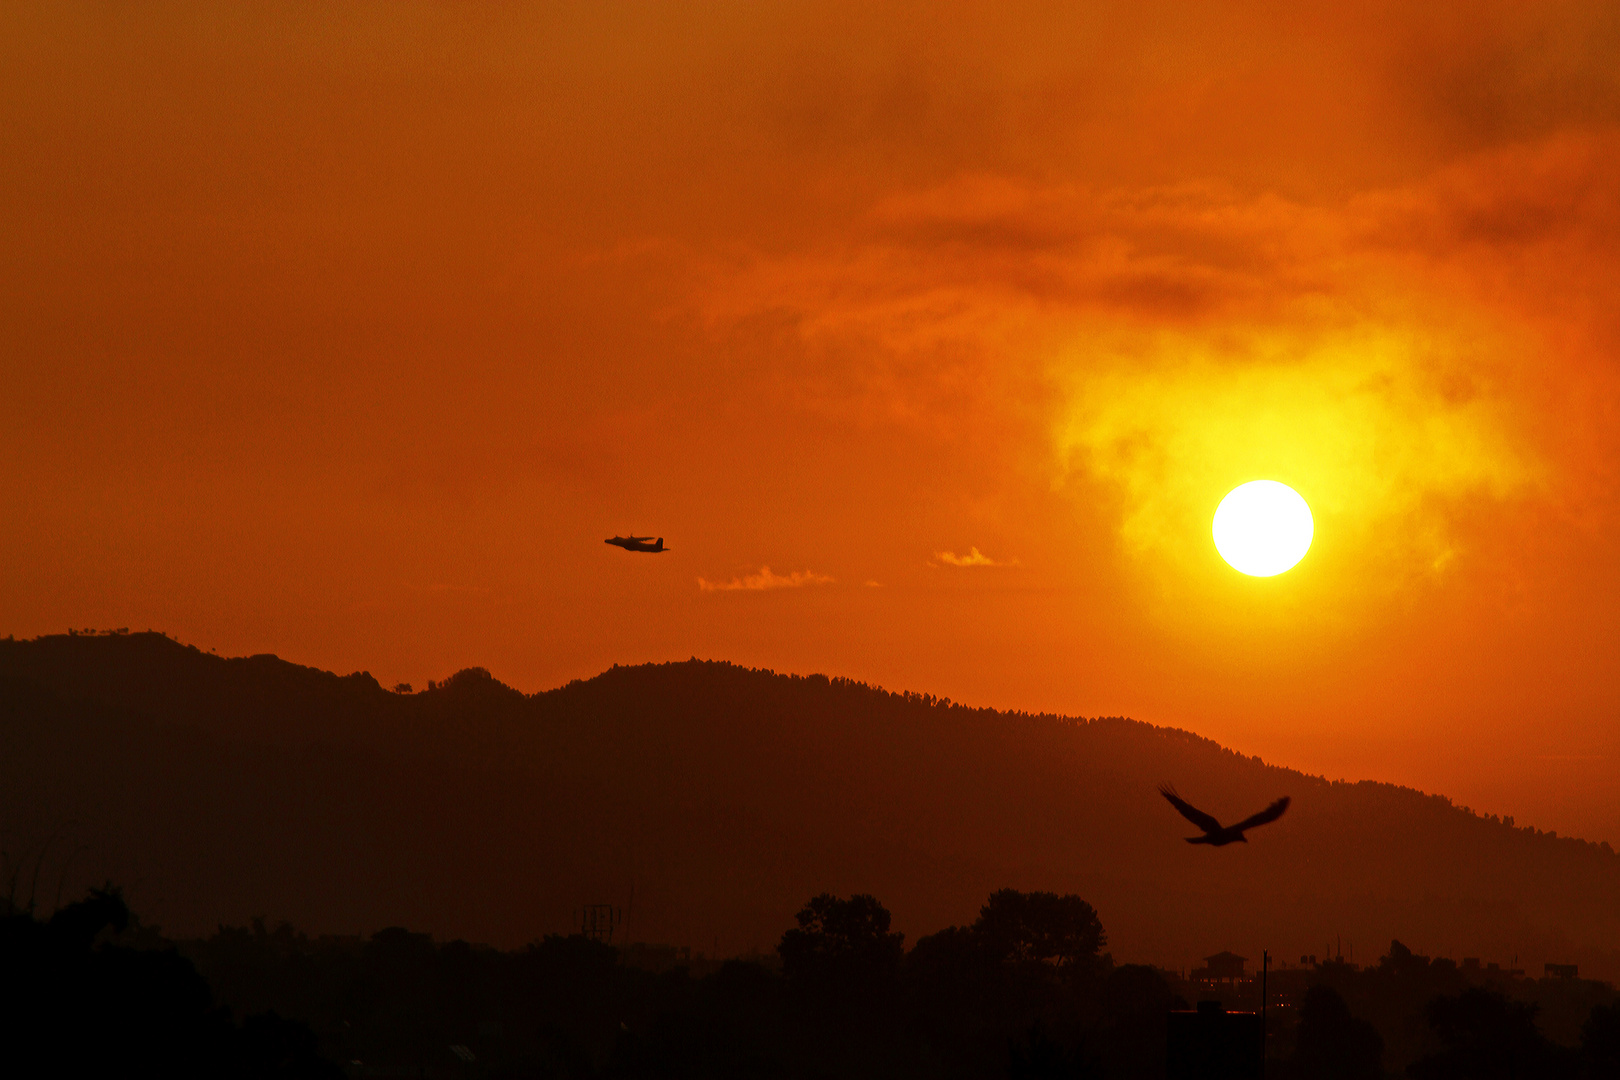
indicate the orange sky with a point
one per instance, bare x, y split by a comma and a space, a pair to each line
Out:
349, 332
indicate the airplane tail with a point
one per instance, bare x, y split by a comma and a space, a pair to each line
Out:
660, 544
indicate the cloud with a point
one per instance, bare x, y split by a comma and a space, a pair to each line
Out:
1414, 358
974, 557
765, 579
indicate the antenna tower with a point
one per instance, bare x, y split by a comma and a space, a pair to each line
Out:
598, 921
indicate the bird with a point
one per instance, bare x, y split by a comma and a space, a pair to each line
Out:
1216, 834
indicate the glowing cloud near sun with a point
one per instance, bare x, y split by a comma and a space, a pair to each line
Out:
1393, 439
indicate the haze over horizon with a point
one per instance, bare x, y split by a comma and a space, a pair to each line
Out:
928, 337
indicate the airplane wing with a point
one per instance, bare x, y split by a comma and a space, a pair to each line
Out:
638, 539
1270, 813
1192, 813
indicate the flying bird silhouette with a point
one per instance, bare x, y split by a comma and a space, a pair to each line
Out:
1216, 834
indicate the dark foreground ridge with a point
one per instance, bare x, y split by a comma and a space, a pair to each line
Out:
221, 789
1024, 991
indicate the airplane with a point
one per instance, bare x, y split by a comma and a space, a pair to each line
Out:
638, 543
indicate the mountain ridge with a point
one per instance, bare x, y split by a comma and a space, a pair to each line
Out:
724, 796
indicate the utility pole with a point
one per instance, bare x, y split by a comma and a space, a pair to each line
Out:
1265, 967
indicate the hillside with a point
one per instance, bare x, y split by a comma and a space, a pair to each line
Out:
218, 789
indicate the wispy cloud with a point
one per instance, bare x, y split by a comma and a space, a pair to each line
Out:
974, 557
766, 579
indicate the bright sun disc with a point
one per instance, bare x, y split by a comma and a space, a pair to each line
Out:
1263, 528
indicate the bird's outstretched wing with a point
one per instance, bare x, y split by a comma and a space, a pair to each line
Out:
1192, 813
1270, 813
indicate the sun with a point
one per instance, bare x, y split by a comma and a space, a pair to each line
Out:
1263, 528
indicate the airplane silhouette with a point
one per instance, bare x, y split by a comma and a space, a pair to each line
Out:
1216, 834
638, 543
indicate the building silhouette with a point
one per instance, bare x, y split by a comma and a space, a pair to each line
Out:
1209, 1043
1223, 967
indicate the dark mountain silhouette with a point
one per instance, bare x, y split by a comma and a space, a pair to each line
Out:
219, 789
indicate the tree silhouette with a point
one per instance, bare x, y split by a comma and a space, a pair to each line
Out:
841, 939
1331, 1044
1022, 989
1042, 927
1130, 1038
1600, 1042
1488, 1037
74, 1002
841, 965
